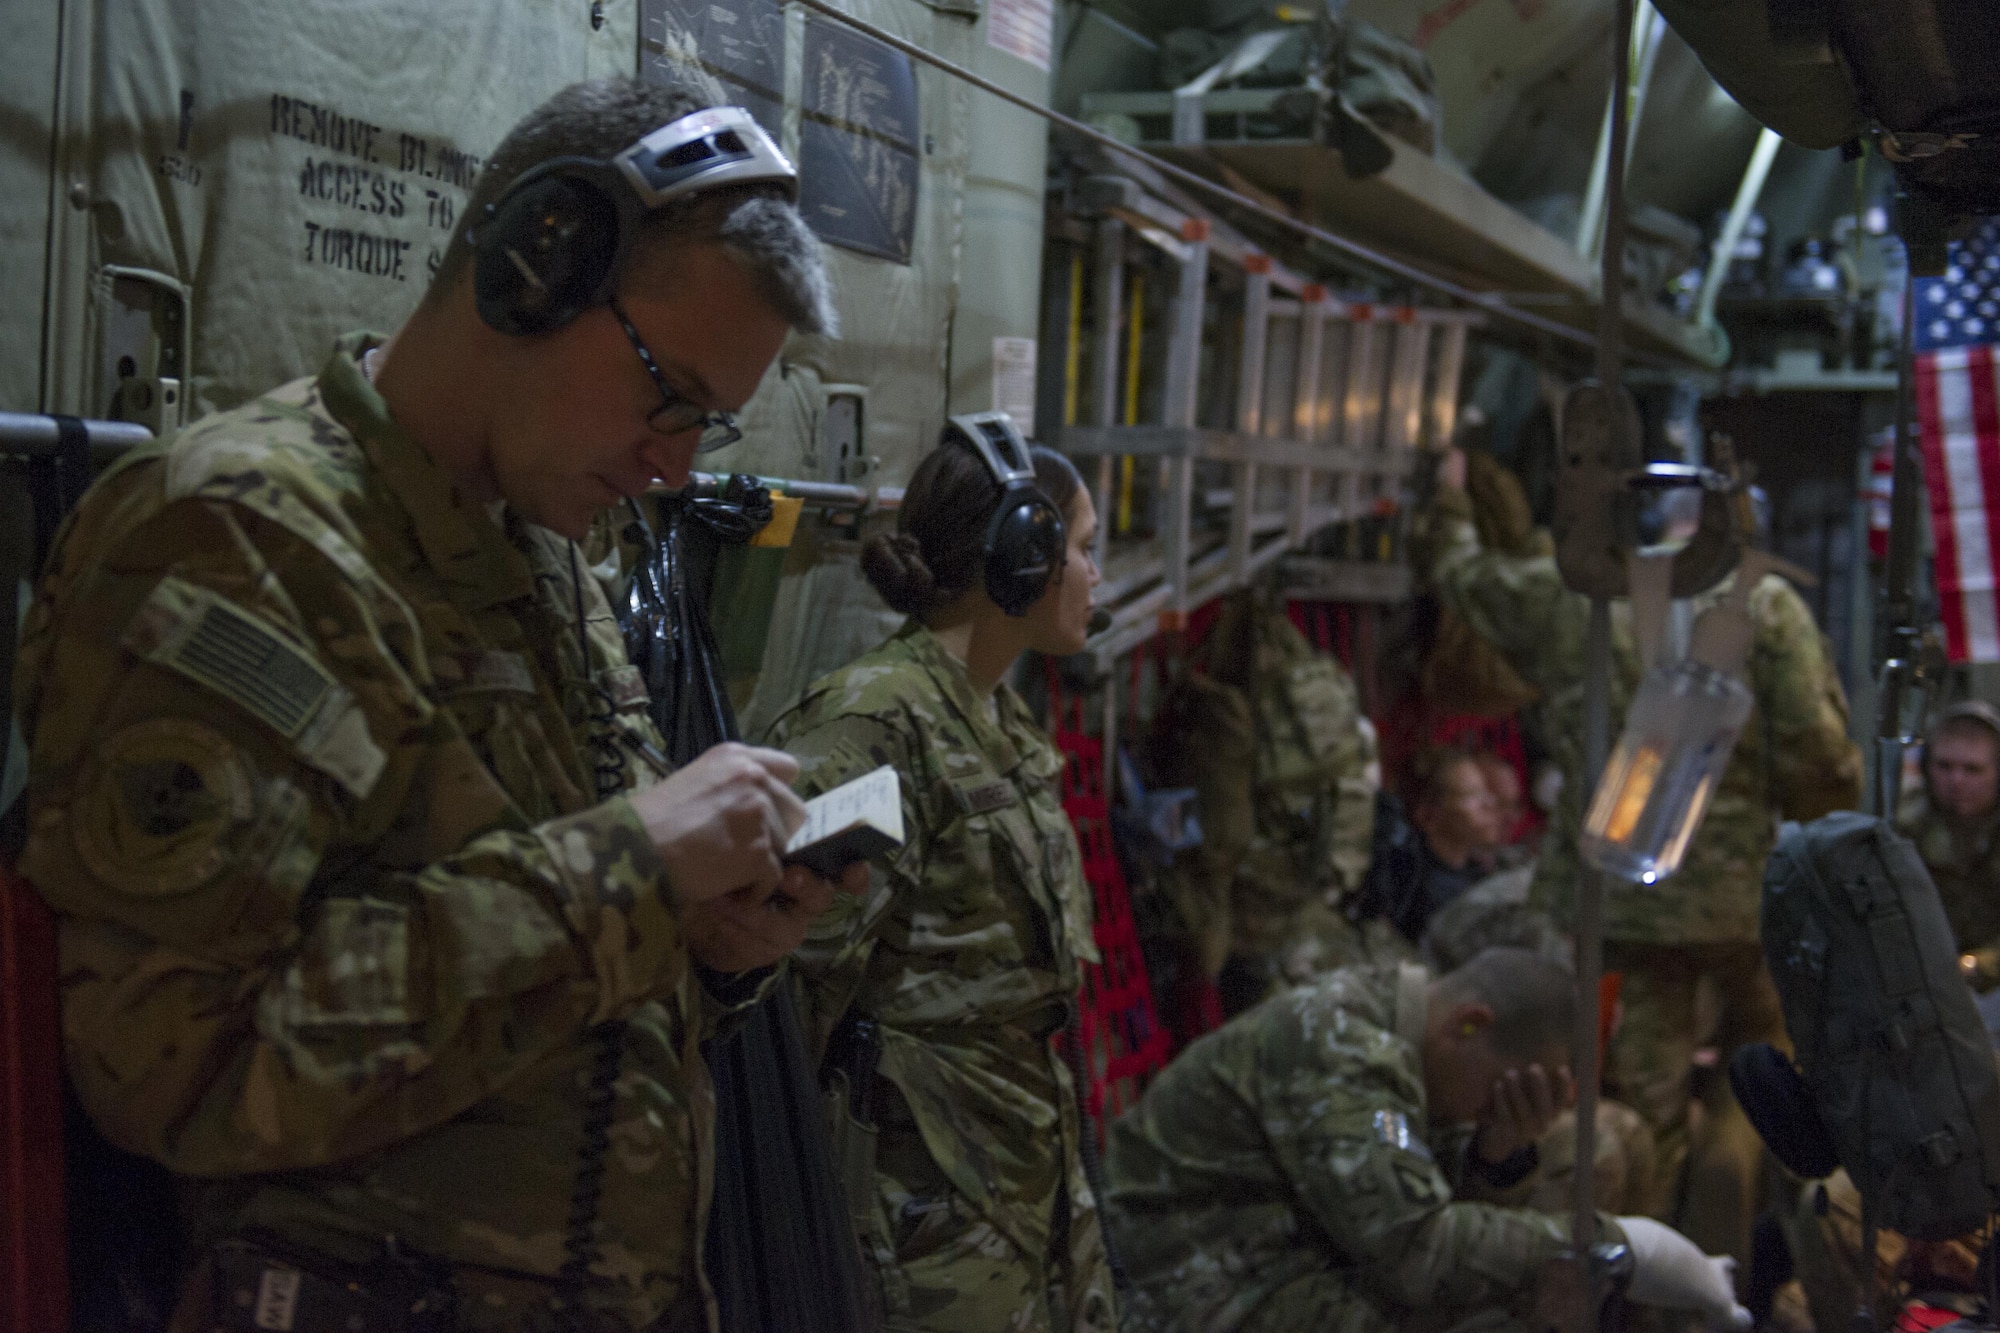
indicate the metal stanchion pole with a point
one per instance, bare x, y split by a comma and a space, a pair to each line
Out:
1597, 698
1590, 947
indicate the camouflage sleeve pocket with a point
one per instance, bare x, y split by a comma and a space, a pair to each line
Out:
170, 828
354, 970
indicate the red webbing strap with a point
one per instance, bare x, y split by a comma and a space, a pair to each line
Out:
1119, 1029
34, 1280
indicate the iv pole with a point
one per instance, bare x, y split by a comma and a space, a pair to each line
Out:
1597, 701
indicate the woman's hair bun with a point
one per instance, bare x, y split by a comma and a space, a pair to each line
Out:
894, 565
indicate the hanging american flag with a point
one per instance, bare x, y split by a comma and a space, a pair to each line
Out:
1958, 416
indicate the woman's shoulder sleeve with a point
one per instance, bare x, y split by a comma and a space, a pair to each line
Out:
841, 748
847, 724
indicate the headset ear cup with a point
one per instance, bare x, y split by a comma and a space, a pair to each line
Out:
1025, 546
544, 254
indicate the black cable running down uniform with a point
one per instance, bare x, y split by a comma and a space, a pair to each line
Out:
600, 1100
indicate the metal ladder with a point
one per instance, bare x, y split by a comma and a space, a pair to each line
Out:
1330, 399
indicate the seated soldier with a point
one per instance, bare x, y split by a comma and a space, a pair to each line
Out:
1431, 861
1510, 811
1308, 1166
1954, 822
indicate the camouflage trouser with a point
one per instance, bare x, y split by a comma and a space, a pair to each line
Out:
1665, 996
953, 1271
1329, 1303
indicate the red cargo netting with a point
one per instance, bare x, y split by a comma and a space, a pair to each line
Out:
1123, 1042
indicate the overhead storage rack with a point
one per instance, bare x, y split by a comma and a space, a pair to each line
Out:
1416, 209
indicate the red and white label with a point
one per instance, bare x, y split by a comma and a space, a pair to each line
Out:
1024, 28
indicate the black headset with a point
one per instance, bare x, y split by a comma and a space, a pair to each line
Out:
552, 246
1025, 539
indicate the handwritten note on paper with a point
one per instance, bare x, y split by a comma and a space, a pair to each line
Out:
873, 799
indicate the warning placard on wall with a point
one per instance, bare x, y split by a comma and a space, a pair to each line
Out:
1014, 380
858, 139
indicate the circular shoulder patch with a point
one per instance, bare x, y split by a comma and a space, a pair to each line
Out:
155, 810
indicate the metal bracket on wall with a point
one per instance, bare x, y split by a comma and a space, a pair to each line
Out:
145, 338
841, 449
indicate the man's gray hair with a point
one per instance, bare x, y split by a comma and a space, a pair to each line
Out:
1532, 996
755, 224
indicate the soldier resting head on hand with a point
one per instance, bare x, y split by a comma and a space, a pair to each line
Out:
1345, 1156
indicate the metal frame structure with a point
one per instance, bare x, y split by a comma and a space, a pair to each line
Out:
1338, 419
1414, 205
1379, 261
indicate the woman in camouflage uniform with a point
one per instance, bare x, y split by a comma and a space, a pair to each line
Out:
939, 993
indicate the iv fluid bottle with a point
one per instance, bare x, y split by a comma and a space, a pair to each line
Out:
1659, 780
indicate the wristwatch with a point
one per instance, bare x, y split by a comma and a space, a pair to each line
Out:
1510, 1170
1610, 1267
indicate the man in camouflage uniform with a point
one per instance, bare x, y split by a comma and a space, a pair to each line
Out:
1495, 913
1306, 1167
1793, 761
1955, 823
377, 906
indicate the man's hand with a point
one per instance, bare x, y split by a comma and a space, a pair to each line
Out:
736, 933
722, 822
1523, 1104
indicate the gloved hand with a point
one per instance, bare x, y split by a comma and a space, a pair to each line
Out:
1669, 1270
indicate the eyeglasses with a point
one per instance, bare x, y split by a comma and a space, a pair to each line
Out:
677, 414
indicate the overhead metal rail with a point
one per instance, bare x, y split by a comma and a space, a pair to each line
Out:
36, 435
1647, 31
1488, 302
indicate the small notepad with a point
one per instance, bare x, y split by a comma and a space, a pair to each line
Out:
853, 822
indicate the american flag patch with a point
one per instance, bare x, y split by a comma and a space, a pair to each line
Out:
1393, 1128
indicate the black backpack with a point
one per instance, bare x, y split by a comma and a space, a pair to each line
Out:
1896, 1076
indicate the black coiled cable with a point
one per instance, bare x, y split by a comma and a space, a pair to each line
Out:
607, 761
1086, 1149
599, 1107
600, 1101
